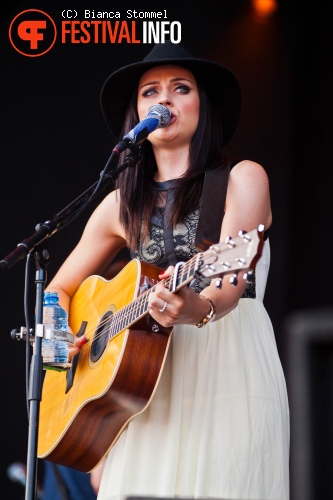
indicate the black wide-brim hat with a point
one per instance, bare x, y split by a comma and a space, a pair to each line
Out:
220, 83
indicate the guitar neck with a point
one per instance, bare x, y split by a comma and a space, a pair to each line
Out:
131, 313
233, 255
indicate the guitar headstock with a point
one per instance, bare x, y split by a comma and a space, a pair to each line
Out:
233, 255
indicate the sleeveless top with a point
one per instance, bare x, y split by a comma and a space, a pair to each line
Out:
166, 245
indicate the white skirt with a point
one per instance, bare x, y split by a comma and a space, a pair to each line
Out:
218, 424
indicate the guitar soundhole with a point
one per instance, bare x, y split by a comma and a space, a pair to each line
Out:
101, 337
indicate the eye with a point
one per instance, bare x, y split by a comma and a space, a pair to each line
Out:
183, 89
149, 91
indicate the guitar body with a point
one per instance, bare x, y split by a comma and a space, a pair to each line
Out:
84, 410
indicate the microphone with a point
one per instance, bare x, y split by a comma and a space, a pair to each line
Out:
158, 116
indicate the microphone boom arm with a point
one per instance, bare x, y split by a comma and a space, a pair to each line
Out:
69, 213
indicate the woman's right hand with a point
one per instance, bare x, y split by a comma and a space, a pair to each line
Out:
79, 342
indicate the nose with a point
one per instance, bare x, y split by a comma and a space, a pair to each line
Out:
165, 102
165, 99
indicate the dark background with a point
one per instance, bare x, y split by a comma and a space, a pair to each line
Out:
54, 144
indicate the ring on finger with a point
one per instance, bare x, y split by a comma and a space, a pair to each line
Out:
164, 307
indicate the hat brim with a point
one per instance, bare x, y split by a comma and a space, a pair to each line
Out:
220, 83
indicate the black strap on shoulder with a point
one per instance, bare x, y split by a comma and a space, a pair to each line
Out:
168, 229
214, 194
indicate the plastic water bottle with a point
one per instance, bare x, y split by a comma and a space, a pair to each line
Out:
54, 343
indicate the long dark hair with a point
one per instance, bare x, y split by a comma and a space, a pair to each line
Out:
137, 196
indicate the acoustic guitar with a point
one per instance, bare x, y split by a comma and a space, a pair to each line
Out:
113, 378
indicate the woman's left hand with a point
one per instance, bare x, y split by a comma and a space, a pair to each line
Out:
182, 307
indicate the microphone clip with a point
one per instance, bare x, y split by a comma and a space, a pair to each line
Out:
133, 157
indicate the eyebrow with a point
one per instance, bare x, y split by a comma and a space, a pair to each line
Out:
172, 80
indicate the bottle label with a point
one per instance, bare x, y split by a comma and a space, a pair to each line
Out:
52, 334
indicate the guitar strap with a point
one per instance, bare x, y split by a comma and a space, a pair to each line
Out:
211, 211
214, 194
168, 229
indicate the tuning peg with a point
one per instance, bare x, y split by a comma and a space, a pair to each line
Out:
244, 235
234, 279
249, 276
210, 268
230, 241
218, 283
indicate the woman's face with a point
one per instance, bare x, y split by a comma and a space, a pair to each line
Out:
174, 87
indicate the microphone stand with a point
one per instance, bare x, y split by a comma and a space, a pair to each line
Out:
23, 249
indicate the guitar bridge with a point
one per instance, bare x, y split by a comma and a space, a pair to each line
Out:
70, 374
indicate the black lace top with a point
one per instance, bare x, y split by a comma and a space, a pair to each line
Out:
167, 246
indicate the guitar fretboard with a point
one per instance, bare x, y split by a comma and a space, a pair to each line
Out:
132, 312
